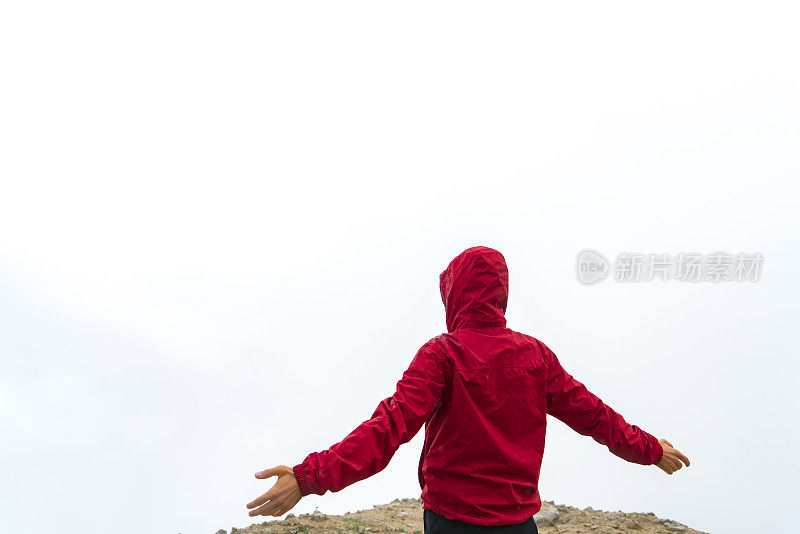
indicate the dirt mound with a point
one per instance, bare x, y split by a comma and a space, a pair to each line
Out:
405, 515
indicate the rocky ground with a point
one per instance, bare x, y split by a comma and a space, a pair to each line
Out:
405, 515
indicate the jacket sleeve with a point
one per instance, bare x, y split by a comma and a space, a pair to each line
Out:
572, 403
396, 420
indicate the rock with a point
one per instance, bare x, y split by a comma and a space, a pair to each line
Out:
404, 516
633, 525
546, 517
318, 516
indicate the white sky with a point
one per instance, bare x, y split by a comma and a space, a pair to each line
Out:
221, 229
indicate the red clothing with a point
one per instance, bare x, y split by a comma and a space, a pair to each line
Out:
482, 391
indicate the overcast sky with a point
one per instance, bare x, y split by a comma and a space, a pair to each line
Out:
222, 225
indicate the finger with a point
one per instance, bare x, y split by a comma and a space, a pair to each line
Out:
280, 510
260, 510
669, 463
683, 457
266, 473
668, 443
271, 508
264, 498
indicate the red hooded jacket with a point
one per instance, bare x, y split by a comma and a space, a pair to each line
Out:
483, 392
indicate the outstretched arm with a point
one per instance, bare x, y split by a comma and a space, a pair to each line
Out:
368, 448
571, 402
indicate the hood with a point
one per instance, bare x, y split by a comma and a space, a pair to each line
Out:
474, 289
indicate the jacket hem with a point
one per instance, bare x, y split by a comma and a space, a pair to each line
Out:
483, 522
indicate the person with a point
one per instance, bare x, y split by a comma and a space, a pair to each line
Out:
483, 392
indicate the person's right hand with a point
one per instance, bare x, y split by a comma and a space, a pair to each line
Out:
671, 461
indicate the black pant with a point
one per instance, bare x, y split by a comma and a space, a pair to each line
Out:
436, 524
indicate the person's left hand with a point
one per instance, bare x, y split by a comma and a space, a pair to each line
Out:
283, 496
